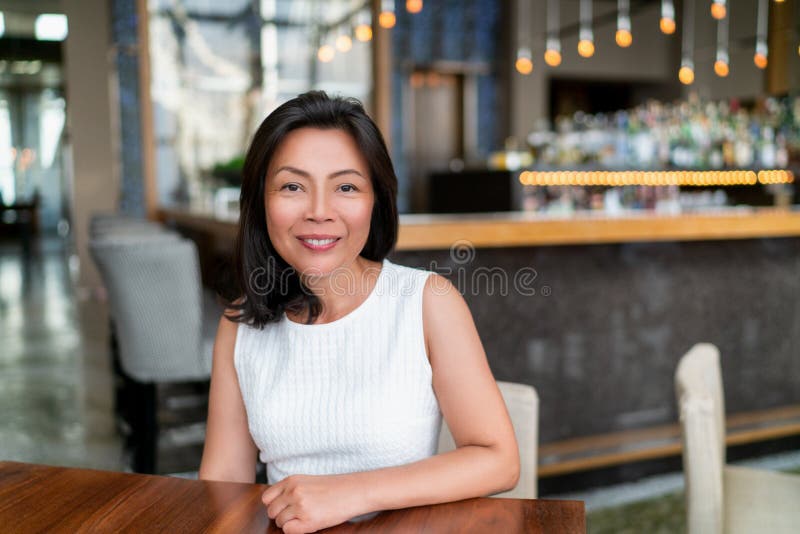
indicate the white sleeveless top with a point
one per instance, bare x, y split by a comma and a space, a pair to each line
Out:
351, 395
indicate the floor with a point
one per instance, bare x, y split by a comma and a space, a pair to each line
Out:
55, 383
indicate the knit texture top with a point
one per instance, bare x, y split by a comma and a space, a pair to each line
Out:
351, 395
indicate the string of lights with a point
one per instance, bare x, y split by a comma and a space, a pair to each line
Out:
655, 178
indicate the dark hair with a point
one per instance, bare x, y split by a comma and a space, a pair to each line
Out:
265, 285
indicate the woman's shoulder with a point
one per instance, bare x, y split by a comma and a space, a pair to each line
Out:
407, 272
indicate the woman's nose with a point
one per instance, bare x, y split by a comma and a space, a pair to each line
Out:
319, 208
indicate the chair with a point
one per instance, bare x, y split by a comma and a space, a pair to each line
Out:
523, 407
722, 498
164, 324
102, 226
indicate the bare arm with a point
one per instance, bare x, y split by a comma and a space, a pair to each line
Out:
486, 460
229, 453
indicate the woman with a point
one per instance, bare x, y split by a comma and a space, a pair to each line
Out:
334, 364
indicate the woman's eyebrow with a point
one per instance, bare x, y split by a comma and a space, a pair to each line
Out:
343, 172
300, 172
293, 170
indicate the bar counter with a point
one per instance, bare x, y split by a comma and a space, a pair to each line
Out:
520, 229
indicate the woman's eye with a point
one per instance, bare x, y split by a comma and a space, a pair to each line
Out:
290, 187
348, 188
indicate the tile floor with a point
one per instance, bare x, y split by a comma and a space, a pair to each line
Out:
55, 382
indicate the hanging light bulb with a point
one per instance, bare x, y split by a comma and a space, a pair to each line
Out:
344, 43
387, 18
722, 64
585, 34
667, 22
760, 57
363, 30
586, 47
686, 72
552, 54
524, 63
719, 9
414, 6
623, 37
326, 53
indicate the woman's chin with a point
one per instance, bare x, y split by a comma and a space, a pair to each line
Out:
319, 267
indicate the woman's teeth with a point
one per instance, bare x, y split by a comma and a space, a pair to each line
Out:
319, 242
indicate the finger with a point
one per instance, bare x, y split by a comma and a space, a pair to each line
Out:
296, 526
271, 493
286, 515
277, 505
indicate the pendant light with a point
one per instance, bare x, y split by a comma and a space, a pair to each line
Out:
624, 37
722, 63
524, 62
760, 57
387, 18
326, 52
718, 9
363, 29
552, 54
667, 22
686, 72
414, 6
585, 35
343, 42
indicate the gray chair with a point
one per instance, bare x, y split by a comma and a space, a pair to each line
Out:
163, 321
523, 408
719, 497
112, 225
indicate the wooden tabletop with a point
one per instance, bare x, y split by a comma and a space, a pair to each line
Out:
38, 498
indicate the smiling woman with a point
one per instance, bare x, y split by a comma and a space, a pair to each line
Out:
332, 364
318, 221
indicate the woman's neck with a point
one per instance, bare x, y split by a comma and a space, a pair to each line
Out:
344, 289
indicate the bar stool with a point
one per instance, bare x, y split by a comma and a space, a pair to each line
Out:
164, 325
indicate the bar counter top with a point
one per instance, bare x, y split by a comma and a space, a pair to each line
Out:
520, 229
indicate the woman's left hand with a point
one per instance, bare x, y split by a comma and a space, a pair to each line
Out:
306, 503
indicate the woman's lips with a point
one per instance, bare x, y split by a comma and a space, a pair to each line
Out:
319, 244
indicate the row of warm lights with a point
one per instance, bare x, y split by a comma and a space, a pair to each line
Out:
363, 30
655, 178
343, 43
624, 39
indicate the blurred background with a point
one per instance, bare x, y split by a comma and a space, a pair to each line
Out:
638, 157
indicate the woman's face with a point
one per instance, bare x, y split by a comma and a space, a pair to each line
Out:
318, 199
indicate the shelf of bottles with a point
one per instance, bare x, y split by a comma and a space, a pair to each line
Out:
672, 158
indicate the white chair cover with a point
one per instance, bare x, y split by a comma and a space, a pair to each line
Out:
523, 408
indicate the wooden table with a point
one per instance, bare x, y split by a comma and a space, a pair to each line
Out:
37, 498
